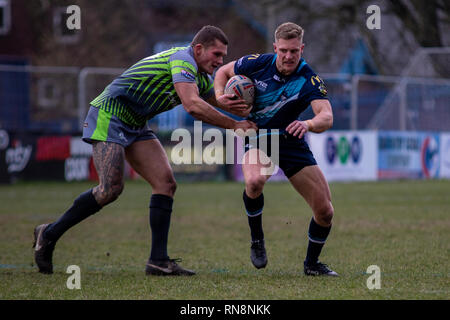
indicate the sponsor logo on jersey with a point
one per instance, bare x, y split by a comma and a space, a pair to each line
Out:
253, 56
261, 85
187, 75
314, 79
278, 78
322, 89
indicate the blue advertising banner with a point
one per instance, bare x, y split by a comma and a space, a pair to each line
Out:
409, 155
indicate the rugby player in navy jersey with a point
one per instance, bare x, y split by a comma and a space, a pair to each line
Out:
116, 126
285, 87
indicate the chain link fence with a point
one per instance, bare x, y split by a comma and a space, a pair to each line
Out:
56, 100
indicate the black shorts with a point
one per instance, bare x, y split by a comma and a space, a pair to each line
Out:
293, 153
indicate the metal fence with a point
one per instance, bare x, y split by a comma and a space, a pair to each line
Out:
368, 102
56, 99
38, 98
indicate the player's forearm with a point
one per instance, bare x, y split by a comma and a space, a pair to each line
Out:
220, 81
321, 122
201, 110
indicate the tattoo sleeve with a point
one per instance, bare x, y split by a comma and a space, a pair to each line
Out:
109, 161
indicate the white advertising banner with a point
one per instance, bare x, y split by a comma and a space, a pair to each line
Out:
346, 155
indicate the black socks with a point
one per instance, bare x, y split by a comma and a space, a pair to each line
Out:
83, 206
160, 212
86, 205
254, 208
317, 236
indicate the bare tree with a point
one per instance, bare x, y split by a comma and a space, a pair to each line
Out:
421, 18
336, 25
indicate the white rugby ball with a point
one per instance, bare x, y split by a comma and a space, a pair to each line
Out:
243, 87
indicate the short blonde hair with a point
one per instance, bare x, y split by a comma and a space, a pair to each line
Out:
289, 30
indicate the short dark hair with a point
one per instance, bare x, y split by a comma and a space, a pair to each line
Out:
208, 35
289, 30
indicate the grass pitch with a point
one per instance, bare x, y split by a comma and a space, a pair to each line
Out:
402, 227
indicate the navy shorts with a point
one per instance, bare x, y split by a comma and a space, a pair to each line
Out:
104, 126
294, 153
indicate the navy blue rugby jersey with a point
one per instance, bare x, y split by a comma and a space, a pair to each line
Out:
279, 99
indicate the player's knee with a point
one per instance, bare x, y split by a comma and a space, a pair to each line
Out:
324, 214
116, 190
171, 187
108, 194
167, 186
256, 184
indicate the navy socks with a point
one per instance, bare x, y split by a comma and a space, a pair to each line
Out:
317, 236
160, 212
254, 208
83, 206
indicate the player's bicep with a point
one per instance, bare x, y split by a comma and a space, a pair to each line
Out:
321, 106
187, 92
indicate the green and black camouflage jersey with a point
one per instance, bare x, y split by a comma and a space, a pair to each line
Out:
146, 88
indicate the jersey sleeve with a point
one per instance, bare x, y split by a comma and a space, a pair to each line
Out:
251, 63
313, 89
183, 68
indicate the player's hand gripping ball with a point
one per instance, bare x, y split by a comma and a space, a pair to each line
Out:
242, 87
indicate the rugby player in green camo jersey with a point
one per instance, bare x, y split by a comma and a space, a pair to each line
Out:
116, 126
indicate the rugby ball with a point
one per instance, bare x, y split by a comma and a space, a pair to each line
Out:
243, 87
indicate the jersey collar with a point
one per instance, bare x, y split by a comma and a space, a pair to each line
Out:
277, 76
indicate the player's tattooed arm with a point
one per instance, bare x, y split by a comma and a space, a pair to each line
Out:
109, 160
